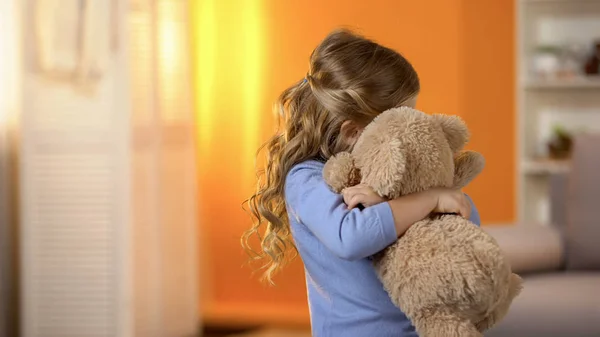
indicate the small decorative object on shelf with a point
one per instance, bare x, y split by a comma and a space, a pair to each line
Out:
592, 66
546, 165
546, 61
572, 57
559, 146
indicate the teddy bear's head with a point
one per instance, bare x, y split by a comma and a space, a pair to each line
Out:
403, 151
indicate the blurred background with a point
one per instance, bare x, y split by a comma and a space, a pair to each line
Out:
129, 128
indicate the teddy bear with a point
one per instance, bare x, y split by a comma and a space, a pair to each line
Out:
445, 273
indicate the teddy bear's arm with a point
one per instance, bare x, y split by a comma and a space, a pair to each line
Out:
340, 172
468, 165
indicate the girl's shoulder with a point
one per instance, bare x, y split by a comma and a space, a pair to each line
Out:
308, 167
309, 164
303, 172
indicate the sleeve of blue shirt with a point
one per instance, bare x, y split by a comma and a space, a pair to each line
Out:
349, 234
474, 213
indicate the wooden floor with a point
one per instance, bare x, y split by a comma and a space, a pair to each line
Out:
274, 333
259, 333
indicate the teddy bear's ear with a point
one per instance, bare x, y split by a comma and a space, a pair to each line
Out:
455, 129
467, 166
340, 172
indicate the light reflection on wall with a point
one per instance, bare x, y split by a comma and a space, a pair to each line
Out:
252, 74
229, 58
205, 42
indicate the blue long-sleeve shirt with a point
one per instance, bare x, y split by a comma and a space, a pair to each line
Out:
346, 299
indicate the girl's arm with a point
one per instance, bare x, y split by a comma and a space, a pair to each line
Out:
413, 207
419, 205
474, 218
350, 233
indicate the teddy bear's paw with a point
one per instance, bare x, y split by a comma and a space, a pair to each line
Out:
339, 172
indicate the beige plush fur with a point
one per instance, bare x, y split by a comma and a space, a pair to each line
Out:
448, 276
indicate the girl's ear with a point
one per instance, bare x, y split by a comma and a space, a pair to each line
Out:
350, 131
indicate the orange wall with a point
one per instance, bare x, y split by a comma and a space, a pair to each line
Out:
487, 101
246, 52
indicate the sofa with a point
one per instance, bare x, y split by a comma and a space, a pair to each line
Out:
560, 261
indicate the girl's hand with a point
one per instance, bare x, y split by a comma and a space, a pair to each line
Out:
361, 195
452, 201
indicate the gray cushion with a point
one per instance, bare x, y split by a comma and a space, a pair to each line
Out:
554, 305
583, 217
558, 185
529, 248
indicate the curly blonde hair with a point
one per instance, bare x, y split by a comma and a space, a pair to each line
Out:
350, 78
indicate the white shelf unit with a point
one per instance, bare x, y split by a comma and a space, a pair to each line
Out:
573, 84
574, 103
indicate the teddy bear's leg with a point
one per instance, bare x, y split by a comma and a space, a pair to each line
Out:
438, 325
339, 172
514, 288
467, 165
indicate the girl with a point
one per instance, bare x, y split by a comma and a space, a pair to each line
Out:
350, 81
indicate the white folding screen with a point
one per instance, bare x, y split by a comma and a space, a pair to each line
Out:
163, 171
107, 173
74, 177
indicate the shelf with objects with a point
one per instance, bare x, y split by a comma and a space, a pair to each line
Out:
558, 93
